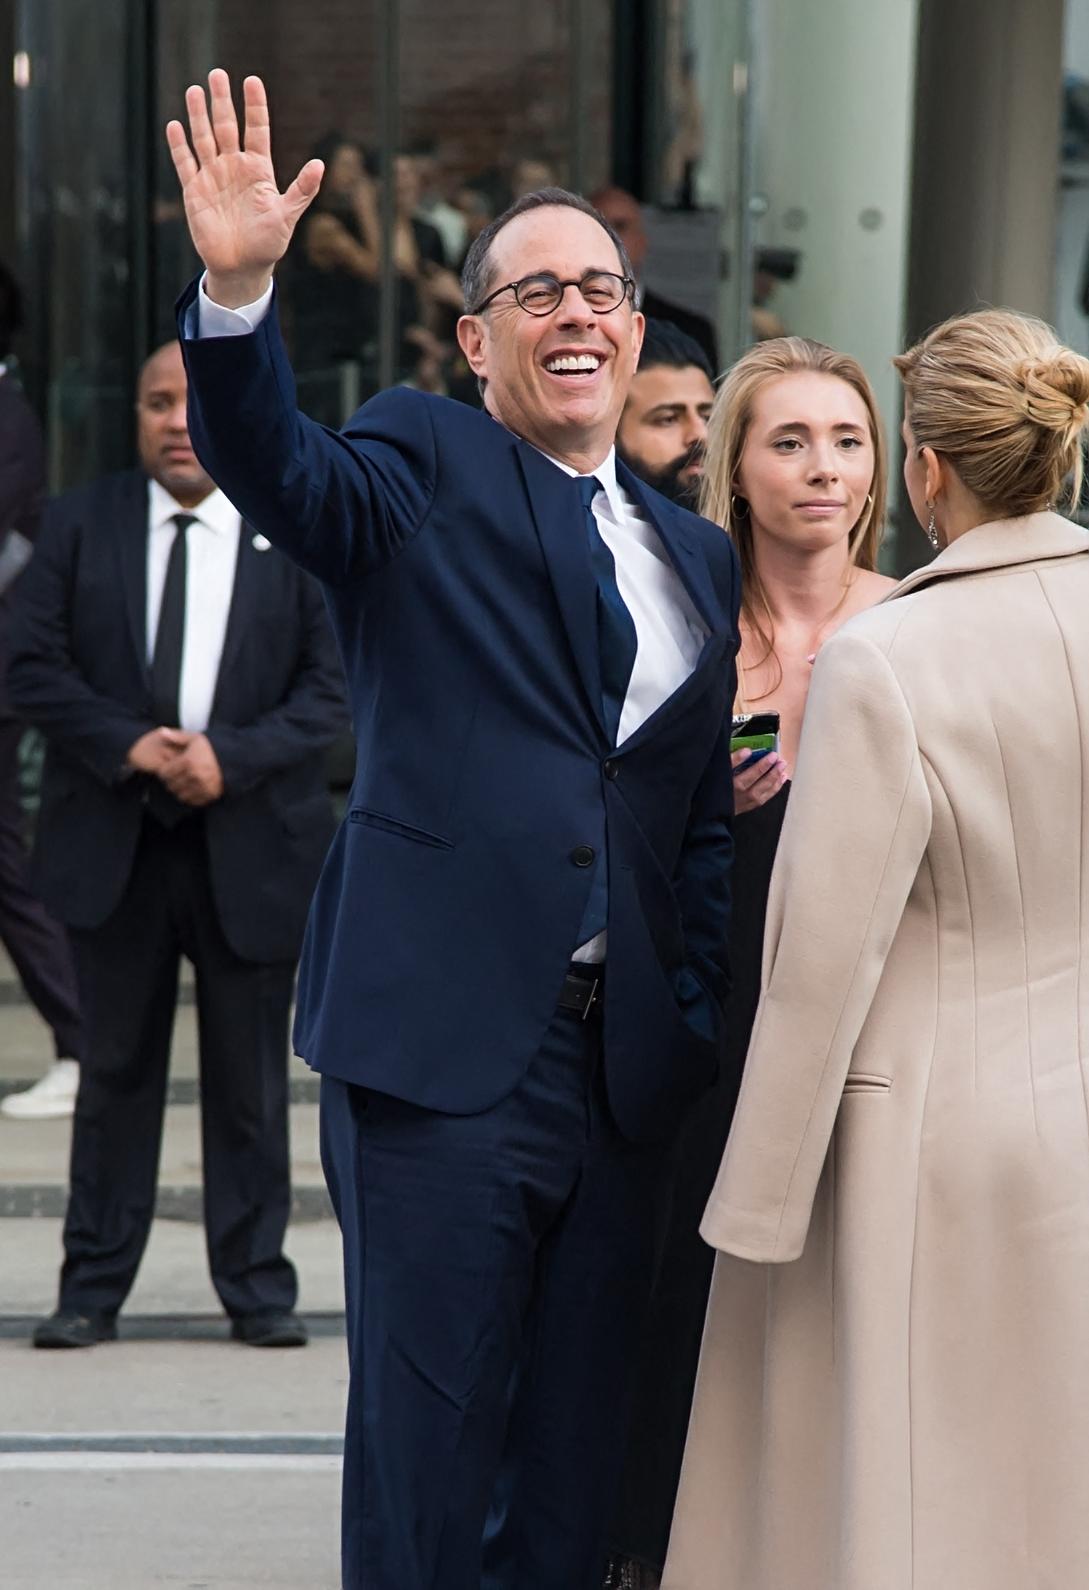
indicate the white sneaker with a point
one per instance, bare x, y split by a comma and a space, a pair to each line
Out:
53, 1096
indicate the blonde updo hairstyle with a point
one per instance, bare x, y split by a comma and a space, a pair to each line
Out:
999, 397
727, 433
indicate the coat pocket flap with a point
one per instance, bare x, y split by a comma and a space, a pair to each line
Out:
394, 825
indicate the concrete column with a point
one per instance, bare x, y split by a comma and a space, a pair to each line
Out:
988, 106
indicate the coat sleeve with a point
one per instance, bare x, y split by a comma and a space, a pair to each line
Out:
341, 504
308, 719
44, 683
856, 830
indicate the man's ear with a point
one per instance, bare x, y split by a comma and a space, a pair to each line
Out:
472, 342
638, 329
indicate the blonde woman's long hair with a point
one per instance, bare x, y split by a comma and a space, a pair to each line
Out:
727, 433
999, 396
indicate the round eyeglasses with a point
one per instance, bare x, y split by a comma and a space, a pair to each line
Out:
543, 294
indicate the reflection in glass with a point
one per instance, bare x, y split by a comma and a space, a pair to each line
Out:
75, 256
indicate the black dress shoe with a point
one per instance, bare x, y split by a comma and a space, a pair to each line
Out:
66, 1328
269, 1330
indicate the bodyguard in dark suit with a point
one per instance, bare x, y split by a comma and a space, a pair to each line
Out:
514, 964
184, 676
36, 943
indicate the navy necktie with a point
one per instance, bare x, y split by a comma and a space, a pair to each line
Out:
617, 644
616, 637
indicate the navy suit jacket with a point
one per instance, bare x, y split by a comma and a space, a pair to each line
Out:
457, 571
79, 673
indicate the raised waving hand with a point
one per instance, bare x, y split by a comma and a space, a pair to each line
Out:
240, 222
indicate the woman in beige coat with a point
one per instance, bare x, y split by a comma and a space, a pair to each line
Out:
894, 1388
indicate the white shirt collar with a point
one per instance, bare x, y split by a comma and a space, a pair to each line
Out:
215, 512
606, 474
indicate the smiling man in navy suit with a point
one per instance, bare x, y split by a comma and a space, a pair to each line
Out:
515, 960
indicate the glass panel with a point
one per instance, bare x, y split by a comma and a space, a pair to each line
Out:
185, 47
493, 100
429, 120
320, 63
698, 253
431, 117
74, 201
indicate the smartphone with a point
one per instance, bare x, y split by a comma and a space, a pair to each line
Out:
756, 732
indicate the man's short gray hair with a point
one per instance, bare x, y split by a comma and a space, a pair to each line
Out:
476, 273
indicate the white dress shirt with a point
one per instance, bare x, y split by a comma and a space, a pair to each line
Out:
211, 556
669, 631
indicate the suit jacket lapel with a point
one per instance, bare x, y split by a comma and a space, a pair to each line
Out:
556, 511
692, 570
243, 602
697, 680
131, 529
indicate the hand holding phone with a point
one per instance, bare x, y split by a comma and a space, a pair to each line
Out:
759, 771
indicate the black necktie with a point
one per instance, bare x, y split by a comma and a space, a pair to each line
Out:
166, 660
616, 637
166, 667
617, 644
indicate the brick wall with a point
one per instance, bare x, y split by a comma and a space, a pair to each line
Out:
489, 79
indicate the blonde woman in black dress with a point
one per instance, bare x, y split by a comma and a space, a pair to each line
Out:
796, 473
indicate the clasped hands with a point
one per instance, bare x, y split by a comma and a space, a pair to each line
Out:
185, 763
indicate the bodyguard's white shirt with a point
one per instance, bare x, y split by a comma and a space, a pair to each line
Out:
669, 631
211, 557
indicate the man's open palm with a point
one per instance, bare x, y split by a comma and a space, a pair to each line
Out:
240, 222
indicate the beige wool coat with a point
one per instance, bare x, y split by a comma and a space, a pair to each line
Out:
894, 1389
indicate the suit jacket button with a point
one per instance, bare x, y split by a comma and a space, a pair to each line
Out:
612, 768
582, 856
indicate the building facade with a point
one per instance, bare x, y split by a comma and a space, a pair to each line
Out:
852, 170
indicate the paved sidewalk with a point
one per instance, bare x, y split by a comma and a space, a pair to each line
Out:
174, 1456
34, 1161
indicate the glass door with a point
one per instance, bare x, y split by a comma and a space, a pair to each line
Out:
698, 158
77, 202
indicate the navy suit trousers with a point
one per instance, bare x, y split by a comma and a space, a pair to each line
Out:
497, 1270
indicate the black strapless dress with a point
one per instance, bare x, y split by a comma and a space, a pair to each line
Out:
670, 1355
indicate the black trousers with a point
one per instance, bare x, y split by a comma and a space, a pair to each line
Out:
37, 944
497, 1268
128, 972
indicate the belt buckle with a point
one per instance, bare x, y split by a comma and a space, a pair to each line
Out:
591, 999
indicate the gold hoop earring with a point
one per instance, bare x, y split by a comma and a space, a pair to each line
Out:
738, 512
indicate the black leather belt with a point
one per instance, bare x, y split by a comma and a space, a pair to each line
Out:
583, 989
